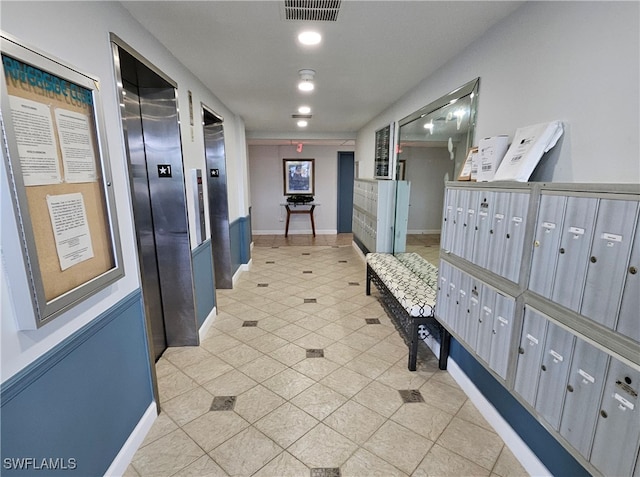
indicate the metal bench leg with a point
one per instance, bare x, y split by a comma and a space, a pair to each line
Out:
413, 348
368, 286
445, 339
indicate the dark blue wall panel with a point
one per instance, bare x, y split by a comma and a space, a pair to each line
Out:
240, 237
557, 460
82, 399
203, 280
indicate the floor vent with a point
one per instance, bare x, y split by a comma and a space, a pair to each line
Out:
313, 10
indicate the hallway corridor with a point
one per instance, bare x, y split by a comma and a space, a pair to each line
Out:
303, 375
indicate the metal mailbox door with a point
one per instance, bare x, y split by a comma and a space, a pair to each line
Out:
584, 391
615, 443
516, 227
447, 219
483, 226
573, 254
442, 302
498, 232
471, 331
554, 374
546, 244
534, 329
502, 331
460, 321
628, 322
485, 323
459, 221
454, 284
470, 225
608, 259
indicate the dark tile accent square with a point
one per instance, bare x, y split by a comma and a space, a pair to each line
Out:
223, 403
343, 261
310, 300
411, 395
335, 246
315, 353
263, 285
275, 247
325, 472
270, 262
250, 323
307, 271
372, 321
354, 284
306, 253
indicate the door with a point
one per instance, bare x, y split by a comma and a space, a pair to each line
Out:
217, 194
345, 191
154, 156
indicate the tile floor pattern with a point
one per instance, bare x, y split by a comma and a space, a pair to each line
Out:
313, 389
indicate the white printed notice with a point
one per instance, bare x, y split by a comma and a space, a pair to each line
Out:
37, 149
78, 156
70, 228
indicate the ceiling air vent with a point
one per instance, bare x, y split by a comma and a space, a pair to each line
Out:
314, 10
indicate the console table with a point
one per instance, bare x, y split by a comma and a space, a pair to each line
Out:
289, 206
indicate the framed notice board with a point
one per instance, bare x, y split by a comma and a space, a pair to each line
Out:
384, 153
59, 174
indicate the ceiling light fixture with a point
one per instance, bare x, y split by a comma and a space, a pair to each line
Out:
302, 123
304, 109
309, 38
306, 80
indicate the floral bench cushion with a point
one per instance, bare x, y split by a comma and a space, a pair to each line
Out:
417, 295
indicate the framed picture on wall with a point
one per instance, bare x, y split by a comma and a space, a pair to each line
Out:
299, 176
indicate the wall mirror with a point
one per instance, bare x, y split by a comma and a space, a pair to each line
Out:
432, 146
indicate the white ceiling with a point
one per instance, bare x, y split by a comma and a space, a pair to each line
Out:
247, 54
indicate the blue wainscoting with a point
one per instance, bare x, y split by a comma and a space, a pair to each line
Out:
77, 404
240, 237
203, 280
555, 458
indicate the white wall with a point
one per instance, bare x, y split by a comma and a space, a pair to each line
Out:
266, 176
426, 168
578, 62
78, 33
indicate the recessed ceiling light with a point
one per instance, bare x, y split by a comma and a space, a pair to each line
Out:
309, 38
304, 109
302, 123
306, 80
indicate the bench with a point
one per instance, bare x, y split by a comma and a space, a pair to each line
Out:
408, 286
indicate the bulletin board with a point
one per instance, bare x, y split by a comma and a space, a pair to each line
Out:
60, 178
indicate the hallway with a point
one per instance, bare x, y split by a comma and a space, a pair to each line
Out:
302, 374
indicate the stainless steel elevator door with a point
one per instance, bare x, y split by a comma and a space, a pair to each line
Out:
217, 194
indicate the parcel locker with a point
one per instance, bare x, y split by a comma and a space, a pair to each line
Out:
546, 244
482, 228
448, 212
514, 238
628, 322
573, 254
470, 225
485, 323
473, 312
615, 444
554, 372
459, 221
610, 250
460, 320
442, 309
502, 331
498, 232
584, 391
534, 329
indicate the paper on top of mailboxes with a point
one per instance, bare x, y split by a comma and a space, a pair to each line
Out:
491, 150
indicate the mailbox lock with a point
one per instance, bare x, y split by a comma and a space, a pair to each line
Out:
562, 250
521, 350
543, 367
569, 388
508, 235
491, 231
536, 243
633, 270
593, 259
604, 414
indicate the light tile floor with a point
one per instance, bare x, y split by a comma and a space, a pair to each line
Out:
292, 380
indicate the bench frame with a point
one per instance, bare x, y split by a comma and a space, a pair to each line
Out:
408, 325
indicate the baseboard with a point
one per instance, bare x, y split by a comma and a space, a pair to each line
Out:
245, 267
119, 465
295, 232
512, 440
358, 251
208, 321
424, 232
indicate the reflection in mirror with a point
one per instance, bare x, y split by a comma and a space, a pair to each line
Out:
433, 143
